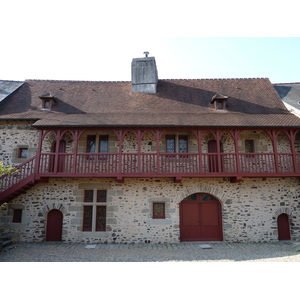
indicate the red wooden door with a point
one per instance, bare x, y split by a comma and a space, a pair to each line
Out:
213, 158
283, 227
54, 225
213, 164
61, 157
200, 218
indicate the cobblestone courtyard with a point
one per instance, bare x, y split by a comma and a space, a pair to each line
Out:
183, 252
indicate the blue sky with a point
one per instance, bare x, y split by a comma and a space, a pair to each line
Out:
96, 40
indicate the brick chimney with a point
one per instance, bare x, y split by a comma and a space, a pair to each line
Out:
144, 75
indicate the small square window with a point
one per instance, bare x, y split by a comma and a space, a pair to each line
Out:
17, 216
158, 210
22, 152
46, 104
220, 104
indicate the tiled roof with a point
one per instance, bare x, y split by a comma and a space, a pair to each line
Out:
289, 93
178, 102
7, 87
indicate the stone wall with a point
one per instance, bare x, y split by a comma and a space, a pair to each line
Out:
249, 209
15, 135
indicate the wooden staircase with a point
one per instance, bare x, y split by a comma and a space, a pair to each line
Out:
12, 185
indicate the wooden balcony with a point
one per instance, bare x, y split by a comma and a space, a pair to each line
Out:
122, 165
169, 165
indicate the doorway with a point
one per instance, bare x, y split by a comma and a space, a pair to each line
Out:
283, 225
200, 218
54, 225
61, 158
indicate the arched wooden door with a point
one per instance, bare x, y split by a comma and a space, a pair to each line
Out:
283, 225
54, 225
200, 218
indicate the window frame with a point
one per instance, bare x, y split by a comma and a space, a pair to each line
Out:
163, 216
20, 150
176, 138
97, 140
17, 216
186, 139
170, 137
220, 104
94, 204
252, 146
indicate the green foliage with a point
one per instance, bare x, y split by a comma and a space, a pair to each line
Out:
5, 170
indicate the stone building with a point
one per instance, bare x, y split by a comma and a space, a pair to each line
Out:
149, 161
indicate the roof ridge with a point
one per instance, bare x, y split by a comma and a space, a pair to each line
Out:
196, 79
128, 81
8, 80
286, 83
64, 80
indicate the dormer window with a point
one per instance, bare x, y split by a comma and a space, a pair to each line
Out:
48, 101
219, 101
46, 104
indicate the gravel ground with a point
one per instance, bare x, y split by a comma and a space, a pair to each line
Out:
183, 252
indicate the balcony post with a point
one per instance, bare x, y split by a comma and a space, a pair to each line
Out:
76, 134
38, 155
199, 136
139, 139
57, 136
120, 136
158, 135
236, 136
292, 137
274, 135
218, 140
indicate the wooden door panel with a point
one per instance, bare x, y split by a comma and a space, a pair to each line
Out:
283, 227
200, 220
209, 214
210, 233
54, 225
190, 214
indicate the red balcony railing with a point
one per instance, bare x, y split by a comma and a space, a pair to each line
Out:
169, 164
149, 165
23, 171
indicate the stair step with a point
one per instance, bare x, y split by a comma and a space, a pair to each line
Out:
6, 243
8, 236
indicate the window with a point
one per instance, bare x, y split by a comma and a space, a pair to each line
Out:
91, 144
22, 152
17, 216
102, 144
94, 210
172, 141
158, 210
183, 144
220, 104
249, 146
46, 104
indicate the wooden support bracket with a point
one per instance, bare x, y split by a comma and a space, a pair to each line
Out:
120, 179
177, 179
236, 179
